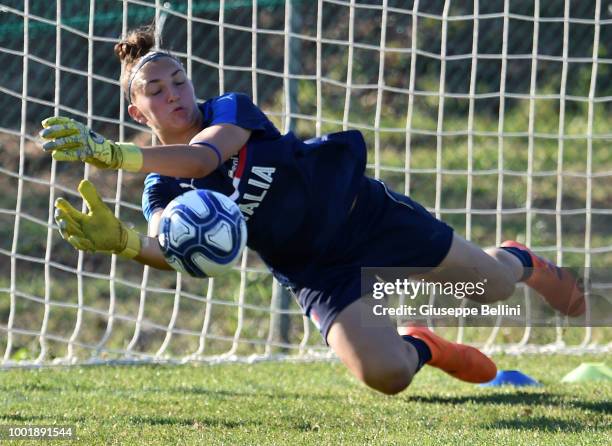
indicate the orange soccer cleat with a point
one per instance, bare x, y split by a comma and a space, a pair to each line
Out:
557, 285
458, 360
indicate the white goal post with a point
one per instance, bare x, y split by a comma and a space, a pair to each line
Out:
494, 115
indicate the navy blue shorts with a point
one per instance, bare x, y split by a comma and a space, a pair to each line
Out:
384, 229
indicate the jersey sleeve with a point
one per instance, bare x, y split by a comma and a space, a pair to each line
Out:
157, 193
237, 109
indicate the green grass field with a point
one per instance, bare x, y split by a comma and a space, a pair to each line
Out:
306, 403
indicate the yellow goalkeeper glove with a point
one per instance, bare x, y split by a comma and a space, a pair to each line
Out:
69, 140
98, 230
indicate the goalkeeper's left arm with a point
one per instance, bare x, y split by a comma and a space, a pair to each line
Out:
69, 140
100, 231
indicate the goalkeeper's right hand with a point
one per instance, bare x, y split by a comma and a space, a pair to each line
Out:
98, 230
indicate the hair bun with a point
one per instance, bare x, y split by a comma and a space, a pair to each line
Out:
136, 44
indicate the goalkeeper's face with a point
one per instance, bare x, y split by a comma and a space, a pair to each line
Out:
163, 98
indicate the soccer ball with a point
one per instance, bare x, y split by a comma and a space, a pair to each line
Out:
202, 233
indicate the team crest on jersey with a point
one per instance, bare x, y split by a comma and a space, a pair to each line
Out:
232, 170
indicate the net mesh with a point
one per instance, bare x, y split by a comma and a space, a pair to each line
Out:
494, 115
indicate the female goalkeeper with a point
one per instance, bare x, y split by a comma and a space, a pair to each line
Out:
312, 215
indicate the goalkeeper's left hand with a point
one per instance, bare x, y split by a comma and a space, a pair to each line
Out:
98, 230
69, 140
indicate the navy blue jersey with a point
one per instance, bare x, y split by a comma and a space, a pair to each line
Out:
294, 194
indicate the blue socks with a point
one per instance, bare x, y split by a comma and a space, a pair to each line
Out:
525, 259
423, 351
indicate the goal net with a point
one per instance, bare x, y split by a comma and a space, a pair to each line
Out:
496, 116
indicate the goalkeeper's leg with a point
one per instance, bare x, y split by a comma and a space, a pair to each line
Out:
505, 266
371, 348
374, 352
467, 262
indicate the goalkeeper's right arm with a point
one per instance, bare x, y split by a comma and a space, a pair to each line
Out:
100, 231
151, 254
